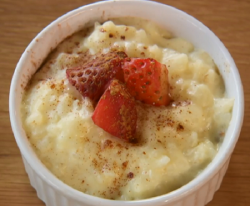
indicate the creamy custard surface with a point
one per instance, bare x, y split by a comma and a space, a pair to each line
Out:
176, 142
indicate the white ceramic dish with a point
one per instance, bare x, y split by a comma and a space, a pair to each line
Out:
199, 191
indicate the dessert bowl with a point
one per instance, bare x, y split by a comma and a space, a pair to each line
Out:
197, 192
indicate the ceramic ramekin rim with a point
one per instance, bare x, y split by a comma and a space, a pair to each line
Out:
47, 176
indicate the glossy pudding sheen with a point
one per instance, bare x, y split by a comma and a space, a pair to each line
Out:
176, 142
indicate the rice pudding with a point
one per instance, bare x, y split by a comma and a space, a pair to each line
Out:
176, 142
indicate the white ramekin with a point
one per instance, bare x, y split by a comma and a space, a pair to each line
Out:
199, 191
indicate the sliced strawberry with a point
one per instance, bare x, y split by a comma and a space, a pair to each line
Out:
147, 80
116, 112
91, 79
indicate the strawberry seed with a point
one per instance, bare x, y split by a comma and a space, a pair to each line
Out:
79, 74
88, 72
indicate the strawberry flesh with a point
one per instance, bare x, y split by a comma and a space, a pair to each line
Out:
147, 80
92, 78
116, 112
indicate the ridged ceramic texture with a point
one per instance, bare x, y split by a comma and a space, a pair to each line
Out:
199, 197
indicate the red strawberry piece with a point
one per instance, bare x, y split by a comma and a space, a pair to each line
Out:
91, 78
147, 80
116, 112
